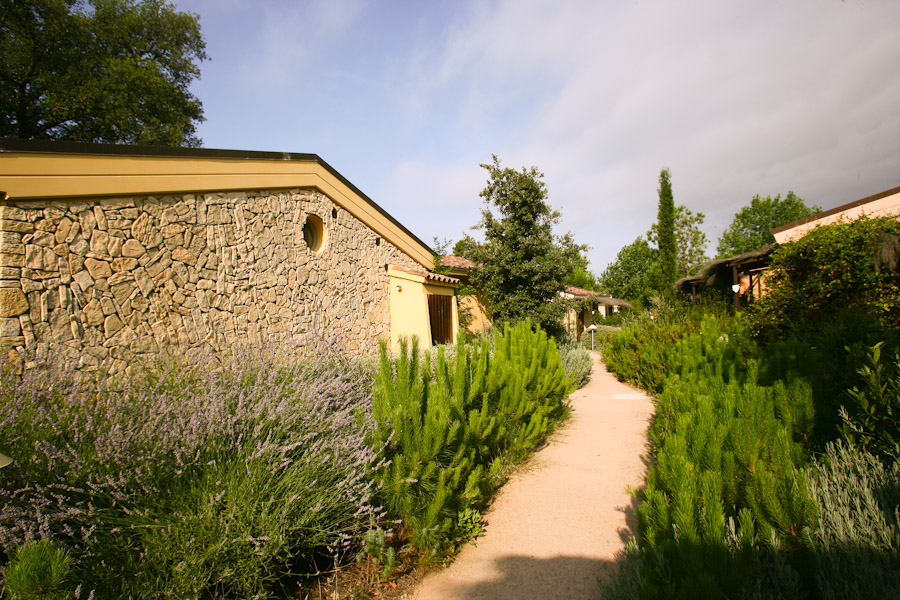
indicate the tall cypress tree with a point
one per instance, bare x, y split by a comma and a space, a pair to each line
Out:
666, 233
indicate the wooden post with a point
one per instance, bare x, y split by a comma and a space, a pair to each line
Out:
737, 294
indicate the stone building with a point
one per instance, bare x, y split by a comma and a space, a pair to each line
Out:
115, 251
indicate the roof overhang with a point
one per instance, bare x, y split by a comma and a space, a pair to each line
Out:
886, 203
37, 170
423, 277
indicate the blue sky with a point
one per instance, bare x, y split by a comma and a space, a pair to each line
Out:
406, 98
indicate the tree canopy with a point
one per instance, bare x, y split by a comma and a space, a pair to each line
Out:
665, 233
690, 241
628, 276
583, 278
752, 226
113, 71
522, 263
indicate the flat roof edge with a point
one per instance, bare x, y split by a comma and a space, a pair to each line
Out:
8, 145
836, 210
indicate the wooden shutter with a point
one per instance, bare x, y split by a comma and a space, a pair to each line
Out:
440, 313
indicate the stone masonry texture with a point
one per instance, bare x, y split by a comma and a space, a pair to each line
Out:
108, 280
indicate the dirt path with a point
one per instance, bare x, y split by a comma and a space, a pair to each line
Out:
557, 524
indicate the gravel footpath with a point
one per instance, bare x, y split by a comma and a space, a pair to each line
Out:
556, 526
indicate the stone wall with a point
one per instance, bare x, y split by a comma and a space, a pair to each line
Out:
109, 279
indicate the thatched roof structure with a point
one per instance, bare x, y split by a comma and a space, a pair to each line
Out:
719, 273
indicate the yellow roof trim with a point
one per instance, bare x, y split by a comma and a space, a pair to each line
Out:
61, 176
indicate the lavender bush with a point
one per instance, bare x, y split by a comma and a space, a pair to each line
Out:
214, 474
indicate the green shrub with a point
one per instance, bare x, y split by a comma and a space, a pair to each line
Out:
645, 352
872, 418
725, 452
725, 500
378, 553
855, 547
39, 571
838, 277
838, 287
447, 429
577, 363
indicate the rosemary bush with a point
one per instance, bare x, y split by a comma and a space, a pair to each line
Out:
577, 363
855, 547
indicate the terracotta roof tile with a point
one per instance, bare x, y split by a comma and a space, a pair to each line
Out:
457, 262
577, 291
429, 275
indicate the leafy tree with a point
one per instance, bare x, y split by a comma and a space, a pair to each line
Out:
753, 224
690, 241
665, 234
114, 71
464, 247
628, 276
522, 263
581, 277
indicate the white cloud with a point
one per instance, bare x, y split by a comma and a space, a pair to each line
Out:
433, 199
279, 53
736, 98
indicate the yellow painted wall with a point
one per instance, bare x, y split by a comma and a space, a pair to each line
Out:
409, 307
480, 321
477, 306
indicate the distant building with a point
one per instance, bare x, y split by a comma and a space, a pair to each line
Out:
592, 305
885, 204
747, 271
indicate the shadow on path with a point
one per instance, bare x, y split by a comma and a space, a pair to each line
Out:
526, 578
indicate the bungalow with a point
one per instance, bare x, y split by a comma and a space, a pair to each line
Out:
111, 251
885, 204
586, 305
744, 274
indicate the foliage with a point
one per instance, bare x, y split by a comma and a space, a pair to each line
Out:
576, 361
731, 506
464, 247
214, 474
690, 241
438, 252
39, 570
378, 552
629, 275
872, 421
639, 353
581, 277
522, 263
114, 71
838, 287
855, 546
752, 225
725, 494
469, 526
665, 235
448, 428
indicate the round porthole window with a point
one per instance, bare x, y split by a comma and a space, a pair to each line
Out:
314, 233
